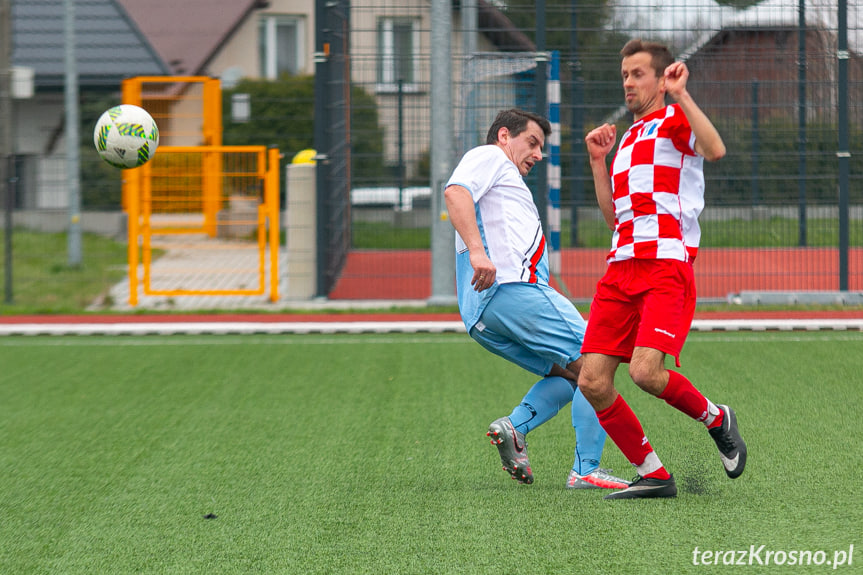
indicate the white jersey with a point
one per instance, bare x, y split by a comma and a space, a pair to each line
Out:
508, 222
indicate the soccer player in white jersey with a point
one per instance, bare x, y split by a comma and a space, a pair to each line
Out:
644, 304
505, 300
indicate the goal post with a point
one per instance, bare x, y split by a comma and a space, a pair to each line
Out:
496, 81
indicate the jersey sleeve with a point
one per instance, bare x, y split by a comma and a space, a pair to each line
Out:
684, 137
478, 170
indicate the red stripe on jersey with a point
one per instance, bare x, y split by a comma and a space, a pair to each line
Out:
534, 260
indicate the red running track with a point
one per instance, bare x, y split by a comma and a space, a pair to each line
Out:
406, 274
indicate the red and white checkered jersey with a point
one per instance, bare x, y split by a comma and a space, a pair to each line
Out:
658, 189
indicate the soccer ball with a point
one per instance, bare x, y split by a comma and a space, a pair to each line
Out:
126, 136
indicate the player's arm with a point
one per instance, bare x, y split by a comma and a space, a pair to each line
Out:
599, 143
462, 214
708, 142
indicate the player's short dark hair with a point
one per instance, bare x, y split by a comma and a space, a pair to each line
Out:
515, 121
660, 55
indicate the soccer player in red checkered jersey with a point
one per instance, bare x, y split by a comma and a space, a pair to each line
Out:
644, 304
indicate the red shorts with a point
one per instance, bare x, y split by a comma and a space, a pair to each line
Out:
641, 303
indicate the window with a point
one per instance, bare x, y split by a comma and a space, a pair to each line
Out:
398, 53
282, 42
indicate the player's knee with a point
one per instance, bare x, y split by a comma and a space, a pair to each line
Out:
593, 386
647, 377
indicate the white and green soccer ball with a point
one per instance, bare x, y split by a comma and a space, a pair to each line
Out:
126, 136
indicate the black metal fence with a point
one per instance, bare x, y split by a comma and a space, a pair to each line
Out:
781, 79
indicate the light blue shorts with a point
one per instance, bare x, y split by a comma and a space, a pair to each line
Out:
531, 325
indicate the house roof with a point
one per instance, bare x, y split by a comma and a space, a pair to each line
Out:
500, 30
670, 19
769, 15
108, 45
188, 37
776, 15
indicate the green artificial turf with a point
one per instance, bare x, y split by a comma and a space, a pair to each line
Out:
367, 454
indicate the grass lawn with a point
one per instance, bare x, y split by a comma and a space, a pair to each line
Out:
367, 454
774, 232
43, 281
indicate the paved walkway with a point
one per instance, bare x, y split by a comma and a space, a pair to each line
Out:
195, 263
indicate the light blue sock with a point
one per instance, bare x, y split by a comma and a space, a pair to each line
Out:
589, 435
542, 402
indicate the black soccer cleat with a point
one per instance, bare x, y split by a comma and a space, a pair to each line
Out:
732, 449
646, 488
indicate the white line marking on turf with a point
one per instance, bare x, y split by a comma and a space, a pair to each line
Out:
736, 337
197, 328
220, 339
365, 339
380, 327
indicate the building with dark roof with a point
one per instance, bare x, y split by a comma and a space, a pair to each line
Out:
109, 47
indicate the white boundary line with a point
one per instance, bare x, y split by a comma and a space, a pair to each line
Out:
354, 327
197, 328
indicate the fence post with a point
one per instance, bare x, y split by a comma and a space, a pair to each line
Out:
442, 233
554, 164
843, 153
801, 121
6, 138
756, 145
576, 131
301, 235
72, 125
541, 84
271, 197
212, 192
131, 185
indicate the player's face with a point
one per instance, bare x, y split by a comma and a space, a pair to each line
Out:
643, 91
524, 150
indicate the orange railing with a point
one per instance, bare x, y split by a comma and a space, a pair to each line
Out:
224, 201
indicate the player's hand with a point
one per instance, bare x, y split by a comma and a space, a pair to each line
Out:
676, 76
600, 141
484, 272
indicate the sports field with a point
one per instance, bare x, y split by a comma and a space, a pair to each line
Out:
367, 454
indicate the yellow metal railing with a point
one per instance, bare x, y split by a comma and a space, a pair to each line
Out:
225, 199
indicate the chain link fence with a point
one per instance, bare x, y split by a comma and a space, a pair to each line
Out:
770, 76
781, 80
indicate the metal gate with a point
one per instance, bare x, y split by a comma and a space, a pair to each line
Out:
332, 139
214, 212
203, 218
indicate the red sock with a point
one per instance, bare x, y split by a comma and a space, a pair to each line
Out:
682, 395
626, 432
660, 473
